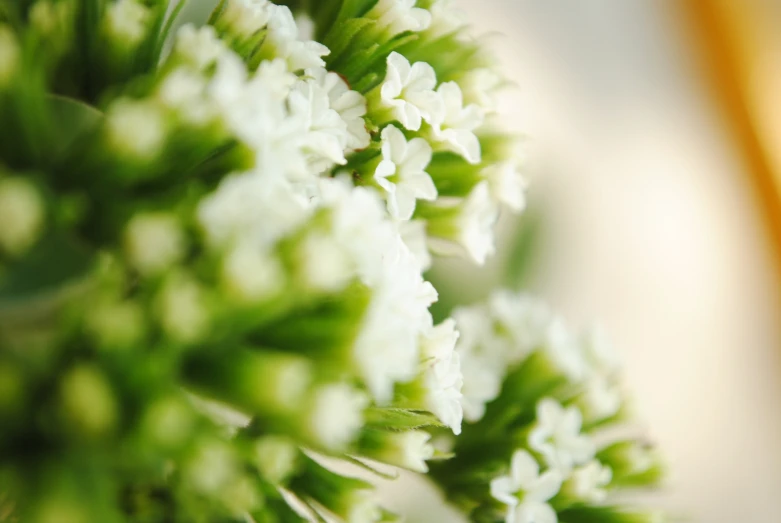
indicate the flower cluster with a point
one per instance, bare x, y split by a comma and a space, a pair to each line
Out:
212, 255
547, 438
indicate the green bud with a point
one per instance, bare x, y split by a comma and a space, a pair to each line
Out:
154, 242
88, 402
168, 422
116, 324
10, 54
276, 458
22, 213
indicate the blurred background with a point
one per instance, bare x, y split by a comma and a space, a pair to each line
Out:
654, 145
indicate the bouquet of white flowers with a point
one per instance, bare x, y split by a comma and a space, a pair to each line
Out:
212, 247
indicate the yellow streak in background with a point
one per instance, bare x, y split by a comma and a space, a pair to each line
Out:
734, 38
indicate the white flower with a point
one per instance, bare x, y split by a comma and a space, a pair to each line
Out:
476, 221
324, 264
526, 491
600, 352
282, 41
471, 230
563, 351
600, 399
200, 46
393, 17
275, 77
387, 347
408, 92
588, 482
410, 450
524, 320
336, 415
479, 87
507, 185
127, 21
246, 17
557, 436
456, 128
250, 273
184, 91
443, 378
446, 19
413, 232
482, 367
251, 206
326, 131
402, 172
351, 106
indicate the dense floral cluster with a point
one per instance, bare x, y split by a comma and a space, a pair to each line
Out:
549, 436
212, 252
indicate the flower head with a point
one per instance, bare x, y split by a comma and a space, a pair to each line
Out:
401, 173
557, 436
526, 492
408, 93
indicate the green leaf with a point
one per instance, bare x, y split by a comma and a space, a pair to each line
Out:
73, 119
45, 277
400, 419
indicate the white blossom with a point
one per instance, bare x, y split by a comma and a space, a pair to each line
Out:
408, 92
442, 377
252, 206
393, 17
526, 491
479, 86
600, 399
482, 367
409, 449
588, 482
471, 229
524, 320
387, 347
401, 173
251, 272
326, 132
325, 265
557, 436
246, 17
199, 46
282, 41
413, 232
128, 21
455, 129
336, 415
184, 91
351, 106
275, 77
446, 19
563, 351
507, 184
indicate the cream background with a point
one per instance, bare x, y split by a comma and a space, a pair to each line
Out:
652, 230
